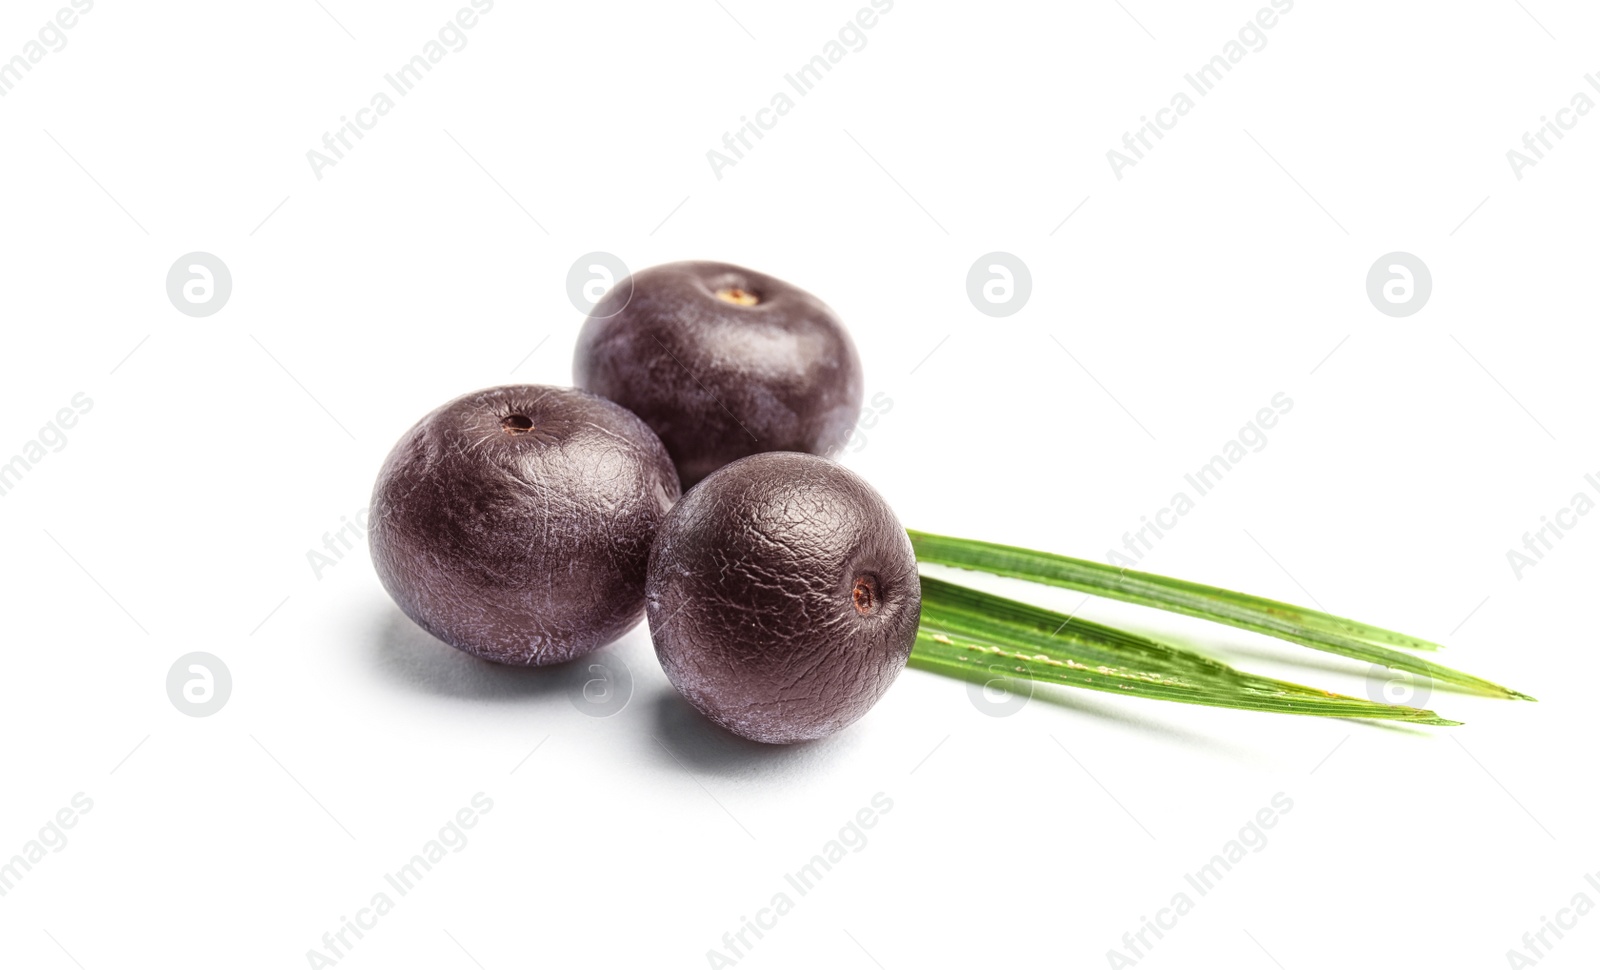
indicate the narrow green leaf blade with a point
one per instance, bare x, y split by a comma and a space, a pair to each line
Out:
950, 606
1310, 628
977, 636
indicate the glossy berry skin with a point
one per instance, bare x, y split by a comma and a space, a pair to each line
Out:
783, 597
722, 362
515, 523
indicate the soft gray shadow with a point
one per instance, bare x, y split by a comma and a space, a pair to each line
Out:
1084, 702
405, 654
1396, 727
1111, 712
1303, 659
683, 735
1306, 658
1348, 666
1144, 720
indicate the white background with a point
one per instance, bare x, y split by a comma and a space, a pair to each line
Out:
1226, 267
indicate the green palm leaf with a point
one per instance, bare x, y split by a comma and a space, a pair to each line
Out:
977, 636
1296, 624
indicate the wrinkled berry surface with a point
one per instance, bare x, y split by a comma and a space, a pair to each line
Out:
783, 597
515, 523
722, 362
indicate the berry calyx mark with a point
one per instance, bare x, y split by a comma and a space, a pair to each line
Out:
865, 594
516, 424
737, 296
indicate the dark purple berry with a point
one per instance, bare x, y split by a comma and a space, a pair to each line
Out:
722, 362
515, 523
783, 597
